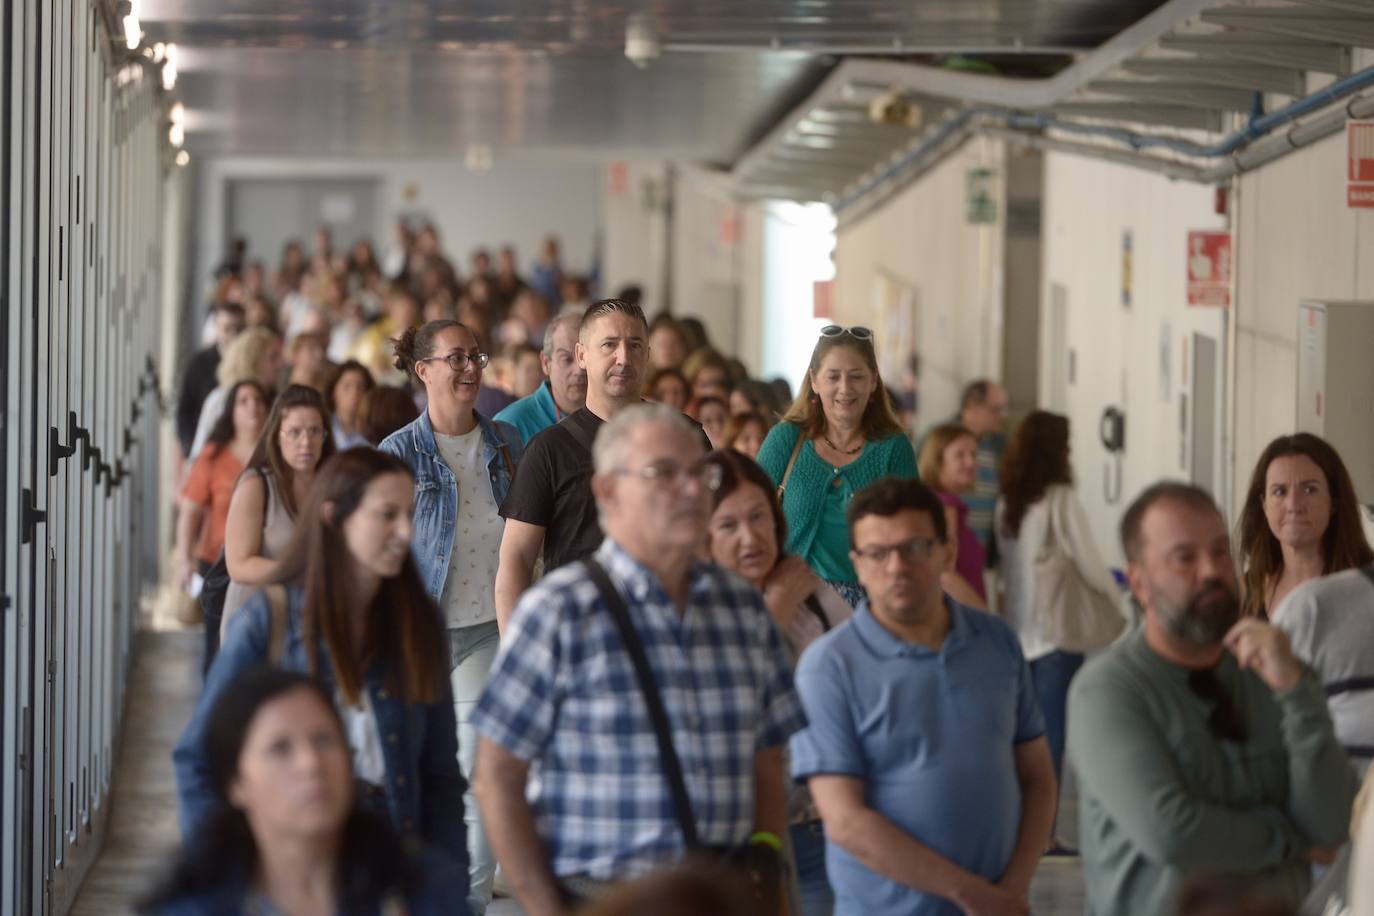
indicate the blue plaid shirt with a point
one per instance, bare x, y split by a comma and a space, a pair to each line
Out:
563, 695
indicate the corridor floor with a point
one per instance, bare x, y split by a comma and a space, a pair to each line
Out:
143, 827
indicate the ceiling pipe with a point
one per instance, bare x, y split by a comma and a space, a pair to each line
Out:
965, 123
1001, 91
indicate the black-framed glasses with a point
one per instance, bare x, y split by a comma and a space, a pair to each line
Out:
857, 332
458, 360
914, 549
670, 473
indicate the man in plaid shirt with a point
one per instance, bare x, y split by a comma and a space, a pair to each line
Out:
568, 772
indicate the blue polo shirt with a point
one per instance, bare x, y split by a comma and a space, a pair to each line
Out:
931, 734
531, 413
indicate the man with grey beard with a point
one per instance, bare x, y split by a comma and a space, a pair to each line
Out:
1201, 744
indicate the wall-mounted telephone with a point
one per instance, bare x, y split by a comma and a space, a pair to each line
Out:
1112, 430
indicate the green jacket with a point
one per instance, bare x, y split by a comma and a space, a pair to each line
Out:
1162, 799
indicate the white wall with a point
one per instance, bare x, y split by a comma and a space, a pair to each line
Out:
1297, 240
518, 201
922, 239
1088, 205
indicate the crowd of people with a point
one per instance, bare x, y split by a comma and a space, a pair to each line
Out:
506, 584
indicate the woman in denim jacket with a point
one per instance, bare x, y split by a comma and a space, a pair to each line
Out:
285, 832
357, 618
463, 464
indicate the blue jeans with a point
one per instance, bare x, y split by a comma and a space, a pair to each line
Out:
1051, 674
472, 650
808, 848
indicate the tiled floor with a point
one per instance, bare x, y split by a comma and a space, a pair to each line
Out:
143, 829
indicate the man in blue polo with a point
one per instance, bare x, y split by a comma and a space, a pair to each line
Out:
925, 750
564, 389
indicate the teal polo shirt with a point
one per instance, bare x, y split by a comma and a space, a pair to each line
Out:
531, 413
932, 735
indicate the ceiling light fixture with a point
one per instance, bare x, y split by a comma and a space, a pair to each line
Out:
169, 67
176, 135
641, 43
183, 158
133, 34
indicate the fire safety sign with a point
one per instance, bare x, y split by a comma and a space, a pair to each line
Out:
1209, 268
1359, 190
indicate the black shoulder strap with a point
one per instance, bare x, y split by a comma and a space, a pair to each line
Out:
575, 430
672, 766
813, 604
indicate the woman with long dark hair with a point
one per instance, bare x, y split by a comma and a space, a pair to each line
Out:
262, 513
1039, 507
347, 390
1300, 520
283, 832
205, 499
346, 605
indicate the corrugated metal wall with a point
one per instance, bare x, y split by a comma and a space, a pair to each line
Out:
84, 156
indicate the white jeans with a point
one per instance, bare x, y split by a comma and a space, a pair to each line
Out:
472, 650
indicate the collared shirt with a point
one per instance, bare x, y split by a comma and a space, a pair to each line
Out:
532, 413
563, 695
932, 735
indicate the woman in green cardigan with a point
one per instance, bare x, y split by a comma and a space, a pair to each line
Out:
839, 436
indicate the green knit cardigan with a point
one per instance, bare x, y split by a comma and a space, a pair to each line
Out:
811, 476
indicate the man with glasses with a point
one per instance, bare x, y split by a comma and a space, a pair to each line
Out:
563, 703
1201, 744
925, 748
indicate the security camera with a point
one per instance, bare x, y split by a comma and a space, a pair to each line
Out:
892, 107
641, 44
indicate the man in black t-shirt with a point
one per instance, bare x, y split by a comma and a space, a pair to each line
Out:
550, 507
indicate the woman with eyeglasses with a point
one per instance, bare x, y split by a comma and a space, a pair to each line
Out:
463, 463
746, 534
839, 436
262, 513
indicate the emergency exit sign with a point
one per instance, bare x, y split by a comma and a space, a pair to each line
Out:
1360, 164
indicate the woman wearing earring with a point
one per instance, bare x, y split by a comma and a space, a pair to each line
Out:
839, 436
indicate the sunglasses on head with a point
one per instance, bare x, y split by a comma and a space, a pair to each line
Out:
856, 332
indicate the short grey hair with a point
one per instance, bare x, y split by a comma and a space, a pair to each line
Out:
566, 316
608, 451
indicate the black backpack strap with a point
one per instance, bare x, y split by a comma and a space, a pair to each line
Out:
672, 766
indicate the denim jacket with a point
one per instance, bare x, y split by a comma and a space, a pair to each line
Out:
436, 491
424, 785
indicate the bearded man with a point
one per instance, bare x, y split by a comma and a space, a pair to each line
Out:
1201, 744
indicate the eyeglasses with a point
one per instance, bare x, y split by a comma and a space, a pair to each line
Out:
666, 473
914, 549
458, 360
297, 433
856, 332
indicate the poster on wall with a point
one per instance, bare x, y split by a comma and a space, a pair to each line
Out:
1209, 268
895, 341
1359, 136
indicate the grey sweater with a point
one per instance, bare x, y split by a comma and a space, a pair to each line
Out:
1162, 798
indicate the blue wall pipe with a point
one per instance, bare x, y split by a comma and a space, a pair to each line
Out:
1258, 126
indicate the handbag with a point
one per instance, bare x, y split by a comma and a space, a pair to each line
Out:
1068, 612
760, 865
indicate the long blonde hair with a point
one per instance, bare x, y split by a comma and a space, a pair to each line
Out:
241, 358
